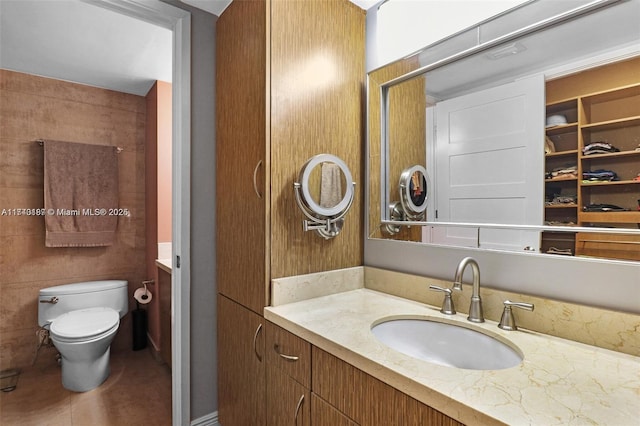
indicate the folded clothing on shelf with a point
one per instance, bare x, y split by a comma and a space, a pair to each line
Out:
565, 172
603, 208
562, 199
600, 175
599, 148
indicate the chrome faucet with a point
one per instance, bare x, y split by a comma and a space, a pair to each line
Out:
475, 308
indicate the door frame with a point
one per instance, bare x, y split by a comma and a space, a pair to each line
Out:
179, 22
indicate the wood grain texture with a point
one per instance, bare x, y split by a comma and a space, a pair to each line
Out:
240, 148
283, 396
324, 414
241, 374
595, 80
608, 246
280, 341
317, 89
365, 399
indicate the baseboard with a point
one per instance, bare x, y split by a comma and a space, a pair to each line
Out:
208, 420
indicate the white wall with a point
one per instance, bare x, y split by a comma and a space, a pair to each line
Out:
401, 27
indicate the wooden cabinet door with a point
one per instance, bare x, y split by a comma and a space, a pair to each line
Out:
323, 414
288, 402
241, 371
240, 153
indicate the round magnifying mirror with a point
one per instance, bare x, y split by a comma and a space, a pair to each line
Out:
414, 191
326, 185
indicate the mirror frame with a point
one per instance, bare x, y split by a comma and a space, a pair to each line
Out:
573, 279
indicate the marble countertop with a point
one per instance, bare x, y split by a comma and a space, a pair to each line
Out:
560, 382
164, 264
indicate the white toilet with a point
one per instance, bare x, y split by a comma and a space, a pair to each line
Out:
82, 320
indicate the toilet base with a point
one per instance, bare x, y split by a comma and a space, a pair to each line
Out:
84, 375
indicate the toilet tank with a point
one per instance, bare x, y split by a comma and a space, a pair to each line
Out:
89, 294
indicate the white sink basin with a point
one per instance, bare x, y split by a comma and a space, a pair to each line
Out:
446, 344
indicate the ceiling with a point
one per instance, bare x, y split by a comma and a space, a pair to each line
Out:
76, 41
607, 34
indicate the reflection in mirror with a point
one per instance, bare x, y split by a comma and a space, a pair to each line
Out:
414, 192
531, 141
324, 192
327, 184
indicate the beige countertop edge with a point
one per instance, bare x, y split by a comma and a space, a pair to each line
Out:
164, 264
560, 382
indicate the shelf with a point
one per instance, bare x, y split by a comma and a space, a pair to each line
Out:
561, 206
606, 183
613, 124
610, 217
573, 179
564, 153
611, 155
561, 128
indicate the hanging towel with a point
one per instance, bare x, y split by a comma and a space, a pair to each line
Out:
80, 192
330, 185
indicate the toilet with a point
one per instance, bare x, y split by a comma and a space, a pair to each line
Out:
82, 319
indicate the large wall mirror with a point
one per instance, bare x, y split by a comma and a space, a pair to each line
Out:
528, 127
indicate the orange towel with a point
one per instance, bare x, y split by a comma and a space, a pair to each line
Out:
80, 192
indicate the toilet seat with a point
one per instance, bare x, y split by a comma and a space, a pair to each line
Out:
84, 324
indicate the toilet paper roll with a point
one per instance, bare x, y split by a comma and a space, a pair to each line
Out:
143, 295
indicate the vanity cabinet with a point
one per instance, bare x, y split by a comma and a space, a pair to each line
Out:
289, 85
308, 386
164, 293
601, 105
288, 392
325, 414
363, 399
241, 366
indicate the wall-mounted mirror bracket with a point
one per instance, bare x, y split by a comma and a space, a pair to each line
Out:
320, 195
395, 214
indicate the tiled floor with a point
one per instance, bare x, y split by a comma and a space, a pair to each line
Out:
138, 392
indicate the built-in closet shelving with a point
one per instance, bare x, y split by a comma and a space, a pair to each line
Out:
610, 115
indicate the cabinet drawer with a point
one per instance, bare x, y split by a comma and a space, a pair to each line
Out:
288, 353
367, 400
324, 414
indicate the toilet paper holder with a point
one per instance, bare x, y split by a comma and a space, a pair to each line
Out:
143, 295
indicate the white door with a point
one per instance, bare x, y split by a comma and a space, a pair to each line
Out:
490, 165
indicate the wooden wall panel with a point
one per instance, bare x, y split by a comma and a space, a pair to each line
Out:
317, 92
32, 108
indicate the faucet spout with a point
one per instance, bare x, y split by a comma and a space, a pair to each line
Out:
475, 308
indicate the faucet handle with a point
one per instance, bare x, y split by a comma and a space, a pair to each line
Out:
447, 303
508, 321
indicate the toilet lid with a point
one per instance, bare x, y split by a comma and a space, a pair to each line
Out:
85, 323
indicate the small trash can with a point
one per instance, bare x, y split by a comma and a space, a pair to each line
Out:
139, 319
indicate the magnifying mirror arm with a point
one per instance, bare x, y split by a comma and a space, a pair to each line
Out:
327, 227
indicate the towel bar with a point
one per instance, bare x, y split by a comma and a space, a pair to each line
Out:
41, 143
